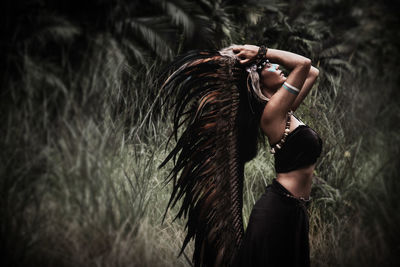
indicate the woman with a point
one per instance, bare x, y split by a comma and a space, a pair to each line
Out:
277, 234
222, 100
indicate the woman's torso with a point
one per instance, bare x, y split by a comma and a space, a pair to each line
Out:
295, 160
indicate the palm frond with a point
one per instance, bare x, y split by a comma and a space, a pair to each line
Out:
56, 29
150, 35
178, 12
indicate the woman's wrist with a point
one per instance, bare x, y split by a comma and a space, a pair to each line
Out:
261, 53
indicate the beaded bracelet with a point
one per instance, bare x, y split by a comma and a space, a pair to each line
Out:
262, 52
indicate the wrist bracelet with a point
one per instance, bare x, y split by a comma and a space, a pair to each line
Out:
262, 52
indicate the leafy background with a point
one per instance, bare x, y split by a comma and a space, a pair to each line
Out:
82, 130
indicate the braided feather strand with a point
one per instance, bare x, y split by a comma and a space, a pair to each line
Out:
207, 174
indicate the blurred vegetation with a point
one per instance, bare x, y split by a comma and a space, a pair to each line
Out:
82, 130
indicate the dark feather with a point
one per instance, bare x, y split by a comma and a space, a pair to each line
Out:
207, 174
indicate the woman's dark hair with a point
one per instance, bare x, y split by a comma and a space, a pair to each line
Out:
252, 103
249, 115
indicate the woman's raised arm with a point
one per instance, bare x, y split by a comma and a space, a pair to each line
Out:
297, 85
308, 84
274, 116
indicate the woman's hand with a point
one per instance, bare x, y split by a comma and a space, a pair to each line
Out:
246, 53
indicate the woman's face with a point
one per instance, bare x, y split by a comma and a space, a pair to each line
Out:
272, 77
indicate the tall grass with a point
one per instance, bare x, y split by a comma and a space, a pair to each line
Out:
81, 187
84, 190
83, 134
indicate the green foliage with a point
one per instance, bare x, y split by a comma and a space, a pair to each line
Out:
83, 132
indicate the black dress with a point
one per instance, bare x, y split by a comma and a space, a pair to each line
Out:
277, 233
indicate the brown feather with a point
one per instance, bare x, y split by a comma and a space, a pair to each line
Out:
207, 173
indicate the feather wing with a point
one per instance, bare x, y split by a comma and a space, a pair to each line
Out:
207, 174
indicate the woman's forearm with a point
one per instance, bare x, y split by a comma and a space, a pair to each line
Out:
248, 53
287, 59
308, 84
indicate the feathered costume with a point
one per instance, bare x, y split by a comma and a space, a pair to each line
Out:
216, 128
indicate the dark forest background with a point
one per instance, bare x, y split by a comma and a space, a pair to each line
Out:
83, 132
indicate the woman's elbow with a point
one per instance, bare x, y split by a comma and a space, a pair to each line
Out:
305, 63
